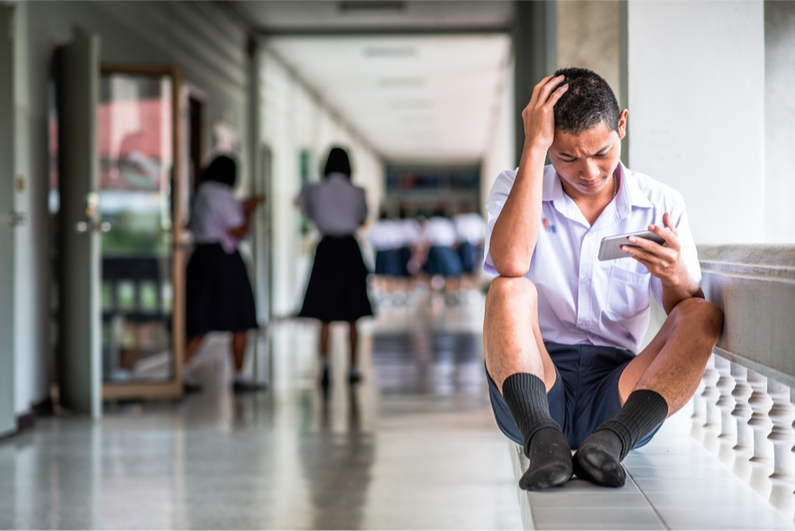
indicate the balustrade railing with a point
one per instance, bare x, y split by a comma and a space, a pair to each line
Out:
744, 409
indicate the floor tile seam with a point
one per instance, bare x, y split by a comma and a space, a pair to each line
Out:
659, 517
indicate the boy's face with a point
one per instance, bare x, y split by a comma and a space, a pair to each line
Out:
585, 162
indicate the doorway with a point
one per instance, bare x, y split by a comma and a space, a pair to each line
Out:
142, 259
121, 286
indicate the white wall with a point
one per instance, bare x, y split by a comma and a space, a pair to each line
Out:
696, 110
197, 37
293, 118
779, 122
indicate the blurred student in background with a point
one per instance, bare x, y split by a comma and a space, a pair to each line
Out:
442, 262
386, 238
470, 232
337, 288
218, 292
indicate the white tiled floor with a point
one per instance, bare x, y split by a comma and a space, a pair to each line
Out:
414, 447
672, 483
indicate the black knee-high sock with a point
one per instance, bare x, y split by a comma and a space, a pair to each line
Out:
599, 457
544, 443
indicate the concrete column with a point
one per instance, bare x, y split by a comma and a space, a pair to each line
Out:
779, 122
534, 44
695, 77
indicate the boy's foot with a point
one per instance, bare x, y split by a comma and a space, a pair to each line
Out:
550, 461
597, 460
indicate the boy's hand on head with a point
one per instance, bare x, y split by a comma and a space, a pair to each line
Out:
663, 261
539, 115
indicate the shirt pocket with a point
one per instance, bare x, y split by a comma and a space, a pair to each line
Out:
627, 292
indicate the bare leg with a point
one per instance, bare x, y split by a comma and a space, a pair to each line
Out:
242, 384
325, 378
192, 347
354, 338
239, 349
354, 376
324, 336
656, 384
520, 366
511, 335
673, 363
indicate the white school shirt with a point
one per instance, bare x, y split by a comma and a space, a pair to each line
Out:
580, 298
336, 206
411, 231
215, 212
385, 234
470, 228
440, 232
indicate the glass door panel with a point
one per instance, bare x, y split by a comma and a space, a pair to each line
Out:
136, 135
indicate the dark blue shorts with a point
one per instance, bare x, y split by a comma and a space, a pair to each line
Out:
585, 393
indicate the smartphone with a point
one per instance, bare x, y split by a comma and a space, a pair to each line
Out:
610, 249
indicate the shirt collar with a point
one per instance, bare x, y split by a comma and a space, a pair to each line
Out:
629, 194
337, 176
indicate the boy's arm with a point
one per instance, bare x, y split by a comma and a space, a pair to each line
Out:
666, 263
515, 232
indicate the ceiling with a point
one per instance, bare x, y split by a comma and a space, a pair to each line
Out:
420, 81
327, 16
412, 98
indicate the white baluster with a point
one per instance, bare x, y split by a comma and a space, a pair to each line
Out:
728, 427
699, 412
762, 461
711, 396
744, 448
783, 437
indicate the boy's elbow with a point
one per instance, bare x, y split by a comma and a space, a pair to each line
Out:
511, 268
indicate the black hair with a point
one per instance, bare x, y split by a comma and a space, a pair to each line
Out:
338, 162
222, 169
588, 101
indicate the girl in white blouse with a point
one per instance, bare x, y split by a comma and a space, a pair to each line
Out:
337, 289
218, 292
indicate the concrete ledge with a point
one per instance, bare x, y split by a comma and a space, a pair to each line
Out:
755, 287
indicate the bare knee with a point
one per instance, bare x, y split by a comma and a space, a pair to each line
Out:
510, 291
707, 317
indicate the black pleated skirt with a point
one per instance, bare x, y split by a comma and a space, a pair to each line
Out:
218, 292
443, 261
387, 263
337, 289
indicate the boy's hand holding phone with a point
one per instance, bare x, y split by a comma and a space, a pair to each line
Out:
663, 261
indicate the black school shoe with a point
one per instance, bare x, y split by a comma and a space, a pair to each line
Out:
248, 386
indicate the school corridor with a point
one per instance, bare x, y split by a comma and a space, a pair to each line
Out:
110, 114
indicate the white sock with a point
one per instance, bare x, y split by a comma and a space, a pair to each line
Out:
324, 362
